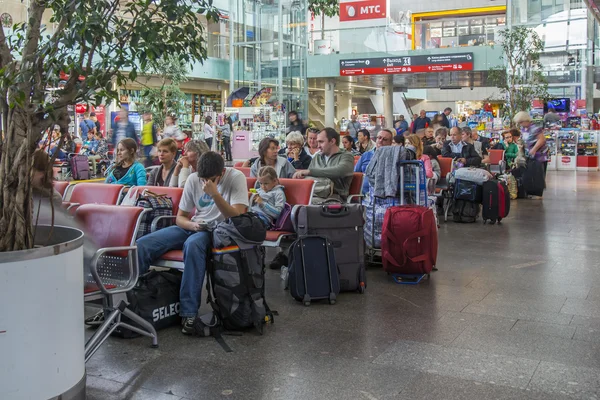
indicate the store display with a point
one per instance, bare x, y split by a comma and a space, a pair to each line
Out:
587, 151
566, 154
550, 135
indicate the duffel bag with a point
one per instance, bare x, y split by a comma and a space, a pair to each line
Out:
476, 175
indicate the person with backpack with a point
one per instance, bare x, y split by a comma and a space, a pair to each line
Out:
214, 193
86, 126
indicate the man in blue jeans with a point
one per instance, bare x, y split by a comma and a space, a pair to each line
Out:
216, 193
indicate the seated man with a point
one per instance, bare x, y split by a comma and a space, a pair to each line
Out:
331, 163
216, 193
462, 152
384, 138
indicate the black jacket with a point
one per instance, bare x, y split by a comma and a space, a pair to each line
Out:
485, 144
468, 153
445, 121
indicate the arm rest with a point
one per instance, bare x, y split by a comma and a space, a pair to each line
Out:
133, 268
354, 196
72, 206
155, 221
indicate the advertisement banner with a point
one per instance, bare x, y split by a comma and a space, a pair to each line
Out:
363, 10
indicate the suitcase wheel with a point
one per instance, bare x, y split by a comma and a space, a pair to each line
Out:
361, 288
307, 303
306, 300
332, 301
331, 298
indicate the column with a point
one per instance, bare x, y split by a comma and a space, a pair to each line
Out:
344, 106
388, 101
329, 103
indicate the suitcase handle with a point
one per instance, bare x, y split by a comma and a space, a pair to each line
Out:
334, 210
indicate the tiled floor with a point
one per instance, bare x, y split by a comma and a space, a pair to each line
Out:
513, 313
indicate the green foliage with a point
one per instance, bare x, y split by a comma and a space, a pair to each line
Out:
329, 8
108, 42
168, 99
521, 80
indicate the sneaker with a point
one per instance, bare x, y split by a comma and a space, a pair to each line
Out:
279, 261
187, 325
96, 319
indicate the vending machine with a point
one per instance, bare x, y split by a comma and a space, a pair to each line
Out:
566, 152
587, 151
550, 135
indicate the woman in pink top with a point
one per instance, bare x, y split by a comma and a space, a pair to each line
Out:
415, 144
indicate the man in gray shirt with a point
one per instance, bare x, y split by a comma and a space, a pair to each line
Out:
353, 126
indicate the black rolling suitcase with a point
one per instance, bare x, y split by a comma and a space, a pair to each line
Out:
313, 272
496, 201
342, 225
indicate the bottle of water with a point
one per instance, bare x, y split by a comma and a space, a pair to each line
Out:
285, 273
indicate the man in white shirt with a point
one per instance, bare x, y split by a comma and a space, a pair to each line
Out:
216, 193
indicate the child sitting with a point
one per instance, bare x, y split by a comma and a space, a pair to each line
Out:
430, 152
269, 199
511, 150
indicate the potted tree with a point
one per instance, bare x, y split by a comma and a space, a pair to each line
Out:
323, 8
83, 54
520, 80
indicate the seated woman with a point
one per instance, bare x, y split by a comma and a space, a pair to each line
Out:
161, 176
295, 152
186, 165
126, 170
267, 156
348, 145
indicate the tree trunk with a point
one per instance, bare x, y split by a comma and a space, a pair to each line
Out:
16, 231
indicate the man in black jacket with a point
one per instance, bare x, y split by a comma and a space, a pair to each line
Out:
445, 115
421, 122
464, 153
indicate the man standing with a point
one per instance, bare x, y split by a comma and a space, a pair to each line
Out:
384, 138
353, 127
94, 119
214, 193
421, 122
332, 163
123, 128
86, 125
462, 152
401, 125
445, 114
149, 138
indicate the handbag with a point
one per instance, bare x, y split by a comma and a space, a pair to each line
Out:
323, 187
155, 298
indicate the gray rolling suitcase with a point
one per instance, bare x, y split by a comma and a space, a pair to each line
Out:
342, 225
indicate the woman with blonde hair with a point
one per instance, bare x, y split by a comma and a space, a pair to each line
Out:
161, 176
415, 144
127, 170
186, 165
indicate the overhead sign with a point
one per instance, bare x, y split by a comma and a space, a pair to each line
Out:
361, 10
407, 65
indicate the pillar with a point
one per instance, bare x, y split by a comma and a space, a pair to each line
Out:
344, 106
329, 103
388, 101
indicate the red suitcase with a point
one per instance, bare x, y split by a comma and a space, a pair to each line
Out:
409, 241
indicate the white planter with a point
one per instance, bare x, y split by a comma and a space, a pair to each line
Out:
323, 46
41, 319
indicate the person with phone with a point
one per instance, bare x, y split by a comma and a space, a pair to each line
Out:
213, 194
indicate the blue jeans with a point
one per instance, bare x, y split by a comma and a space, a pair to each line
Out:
147, 151
195, 254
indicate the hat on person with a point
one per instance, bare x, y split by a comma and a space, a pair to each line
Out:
522, 116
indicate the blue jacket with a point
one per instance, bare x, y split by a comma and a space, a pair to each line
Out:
129, 132
361, 166
403, 127
136, 176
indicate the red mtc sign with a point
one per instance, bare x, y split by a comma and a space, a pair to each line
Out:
360, 10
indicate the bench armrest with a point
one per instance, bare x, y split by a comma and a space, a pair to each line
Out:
133, 268
156, 220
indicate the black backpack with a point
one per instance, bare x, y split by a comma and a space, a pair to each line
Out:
465, 211
236, 281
